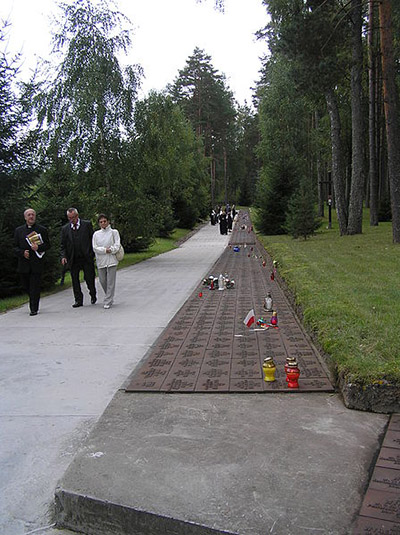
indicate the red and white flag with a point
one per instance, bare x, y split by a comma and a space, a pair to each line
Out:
250, 318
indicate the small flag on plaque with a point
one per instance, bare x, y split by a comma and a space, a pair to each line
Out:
250, 318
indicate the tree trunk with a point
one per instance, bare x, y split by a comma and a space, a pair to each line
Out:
391, 103
225, 175
212, 176
103, 162
357, 171
337, 166
319, 173
372, 130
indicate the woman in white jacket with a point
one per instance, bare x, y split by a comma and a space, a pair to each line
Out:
106, 243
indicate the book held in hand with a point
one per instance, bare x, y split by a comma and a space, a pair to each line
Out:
35, 237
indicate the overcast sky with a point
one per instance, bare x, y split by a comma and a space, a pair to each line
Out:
165, 33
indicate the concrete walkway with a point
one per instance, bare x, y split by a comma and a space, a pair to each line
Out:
249, 464
60, 369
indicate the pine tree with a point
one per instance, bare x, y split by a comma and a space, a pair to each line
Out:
284, 119
207, 102
301, 216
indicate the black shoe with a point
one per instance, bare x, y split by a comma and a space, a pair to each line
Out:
33, 313
93, 300
76, 305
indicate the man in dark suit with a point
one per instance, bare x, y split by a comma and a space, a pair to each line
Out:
77, 254
30, 243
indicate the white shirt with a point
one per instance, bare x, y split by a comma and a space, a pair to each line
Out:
76, 225
103, 239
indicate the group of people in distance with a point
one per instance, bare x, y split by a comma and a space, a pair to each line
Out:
79, 246
224, 216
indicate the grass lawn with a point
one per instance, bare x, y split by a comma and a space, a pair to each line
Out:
161, 245
349, 291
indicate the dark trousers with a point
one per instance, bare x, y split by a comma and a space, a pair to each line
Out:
89, 275
31, 284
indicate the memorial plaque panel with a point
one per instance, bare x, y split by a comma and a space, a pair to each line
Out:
307, 358
213, 362
191, 362
316, 384
207, 348
392, 439
374, 526
220, 373
183, 373
206, 384
188, 345
224, 339
394, 424
277, 386
246, 369
160, 362
389, 458
214, 367
245, 354
144, 385
246, 385
381, 504
309, 371
217, 353
219, 345
385, 479
153, 373
178, 385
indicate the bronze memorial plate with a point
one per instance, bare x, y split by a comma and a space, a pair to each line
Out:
207, 347
380, 510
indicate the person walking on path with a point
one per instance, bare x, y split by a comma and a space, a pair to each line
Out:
31, 241
223, 223
106, 243
230, 222
77, 254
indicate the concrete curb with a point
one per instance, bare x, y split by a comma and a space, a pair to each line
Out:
379, 397
96, 516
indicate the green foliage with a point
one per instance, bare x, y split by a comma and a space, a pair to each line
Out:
18, 170
347, 287
301, 216
86, 109
208, 104
90, 93
284, 119
313, 37
9, 120
171, 171
86, 103
88, 152
244, 164
274, 190
11, 217
315, 40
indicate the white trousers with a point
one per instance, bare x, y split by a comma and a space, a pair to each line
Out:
107, 277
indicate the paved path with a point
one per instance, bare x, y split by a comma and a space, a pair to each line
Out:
149, 463
60, 369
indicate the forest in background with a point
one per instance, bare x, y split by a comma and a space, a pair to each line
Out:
76, 134
329, 113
